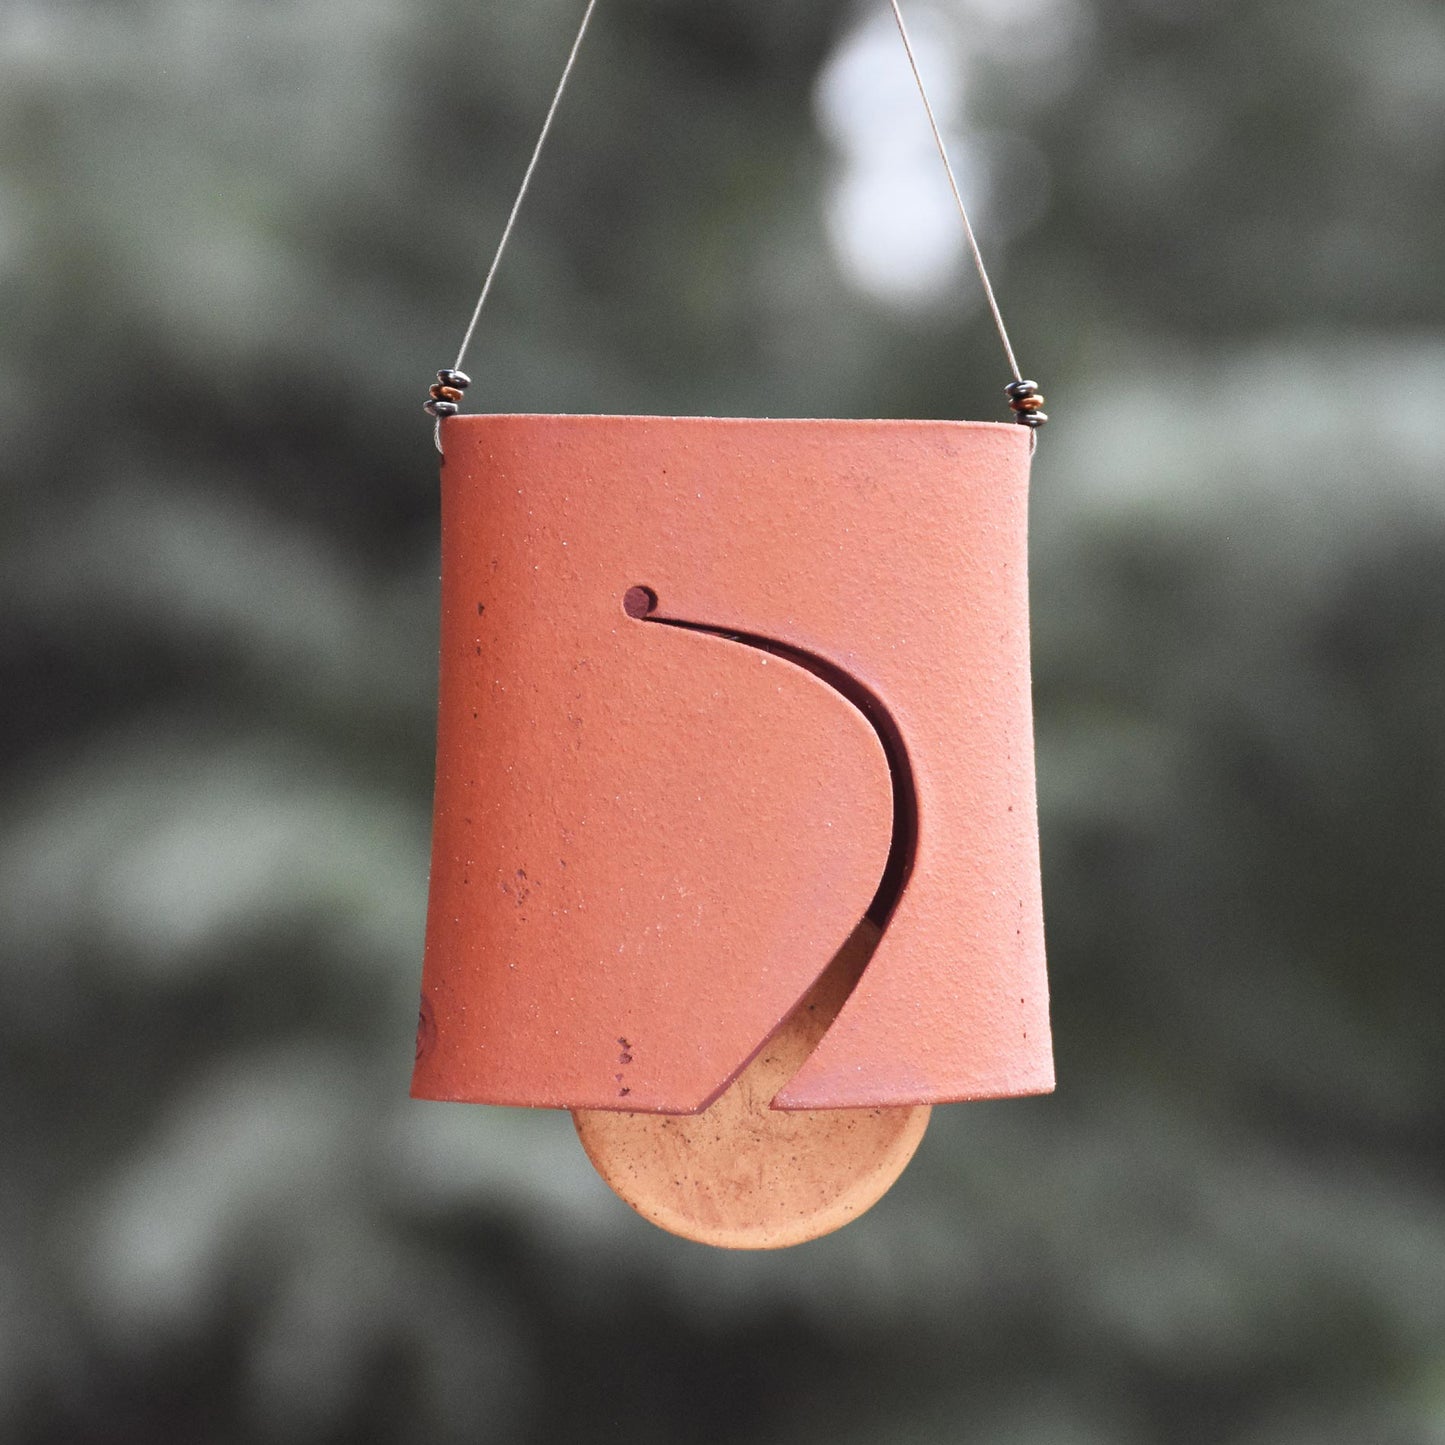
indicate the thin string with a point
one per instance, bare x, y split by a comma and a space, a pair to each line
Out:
937, 139
957, 196
521, 196
526, 181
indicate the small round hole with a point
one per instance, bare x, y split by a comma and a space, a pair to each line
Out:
638, 601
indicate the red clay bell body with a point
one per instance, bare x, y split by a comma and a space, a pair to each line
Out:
653, 832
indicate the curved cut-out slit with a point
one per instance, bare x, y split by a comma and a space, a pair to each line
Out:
838, 980
744, 1172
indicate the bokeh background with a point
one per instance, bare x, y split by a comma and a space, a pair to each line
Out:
236, 240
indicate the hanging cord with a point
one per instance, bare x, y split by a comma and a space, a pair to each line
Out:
446, 394
1023, 395
454, 379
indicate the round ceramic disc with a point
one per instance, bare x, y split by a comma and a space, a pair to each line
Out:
742, 1175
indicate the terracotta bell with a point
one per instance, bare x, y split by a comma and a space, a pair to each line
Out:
735, 850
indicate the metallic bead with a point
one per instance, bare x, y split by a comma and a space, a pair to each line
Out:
1027, 404
440, 408
448, 376
445, 393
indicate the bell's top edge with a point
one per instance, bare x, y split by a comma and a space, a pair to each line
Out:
473, 419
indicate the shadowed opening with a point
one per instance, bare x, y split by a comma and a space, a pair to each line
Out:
638, 601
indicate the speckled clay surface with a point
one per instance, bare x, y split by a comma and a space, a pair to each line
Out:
650, 841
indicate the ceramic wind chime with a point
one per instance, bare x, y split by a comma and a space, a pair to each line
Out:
735, 850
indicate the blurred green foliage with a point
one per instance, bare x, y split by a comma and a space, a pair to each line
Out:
235, 241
